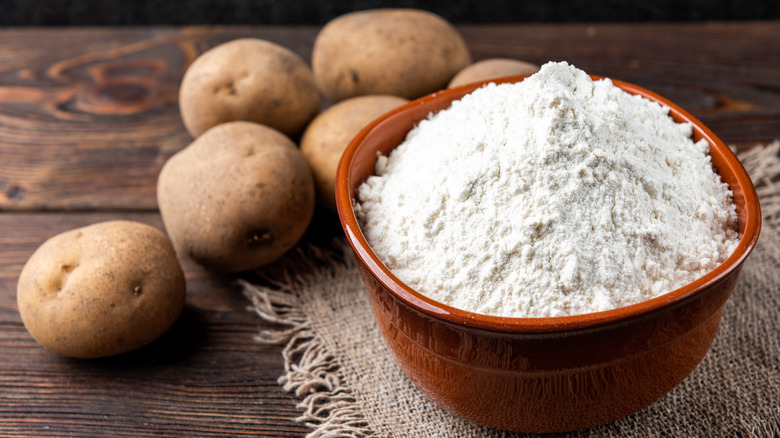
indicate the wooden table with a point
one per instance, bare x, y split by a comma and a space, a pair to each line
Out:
88, 117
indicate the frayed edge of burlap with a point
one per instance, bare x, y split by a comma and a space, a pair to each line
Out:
763, 166
310, 370
762, 427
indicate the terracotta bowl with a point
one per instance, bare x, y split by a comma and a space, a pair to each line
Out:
543, 374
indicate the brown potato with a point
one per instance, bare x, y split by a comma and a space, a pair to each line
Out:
400, 52
101, 290
237, 198
329, 133
248, 79
492, 69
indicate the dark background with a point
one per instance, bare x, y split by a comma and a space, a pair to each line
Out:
314, 12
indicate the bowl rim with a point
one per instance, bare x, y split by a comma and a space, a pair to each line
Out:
443, 312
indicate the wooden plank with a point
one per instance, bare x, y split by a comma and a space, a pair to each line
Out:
205, 377
88, 119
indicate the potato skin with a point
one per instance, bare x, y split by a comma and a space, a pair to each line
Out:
248, 79
328, 135
237, 198
400, 52
492, 68
101, 290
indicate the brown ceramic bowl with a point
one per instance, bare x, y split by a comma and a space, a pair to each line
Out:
543, 374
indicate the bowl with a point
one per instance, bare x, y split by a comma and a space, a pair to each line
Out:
542, 374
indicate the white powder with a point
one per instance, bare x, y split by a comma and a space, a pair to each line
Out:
555, 196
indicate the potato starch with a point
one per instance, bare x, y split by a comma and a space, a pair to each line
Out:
554, 196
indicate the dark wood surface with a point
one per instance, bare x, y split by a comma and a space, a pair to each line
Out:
88, 117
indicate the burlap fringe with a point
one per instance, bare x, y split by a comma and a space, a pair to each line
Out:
763, 165
313, 373
766, 428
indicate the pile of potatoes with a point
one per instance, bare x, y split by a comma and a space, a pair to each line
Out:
364, 64
243, 192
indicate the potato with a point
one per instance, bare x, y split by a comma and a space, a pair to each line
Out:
248, 79
237, 198
400, 52
101, 290
492, 69
329, 133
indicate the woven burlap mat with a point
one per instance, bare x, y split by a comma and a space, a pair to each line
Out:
349, 385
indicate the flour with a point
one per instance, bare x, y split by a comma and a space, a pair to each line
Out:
554, 196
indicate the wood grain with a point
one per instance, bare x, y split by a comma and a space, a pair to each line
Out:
87, 122
205, 377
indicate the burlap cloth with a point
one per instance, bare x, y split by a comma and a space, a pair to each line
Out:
349, 385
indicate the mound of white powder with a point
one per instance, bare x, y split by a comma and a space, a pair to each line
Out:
554, 196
